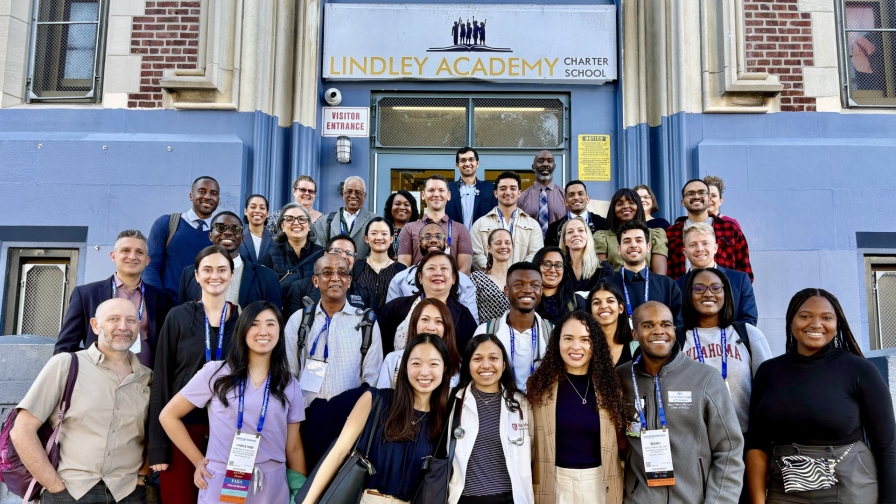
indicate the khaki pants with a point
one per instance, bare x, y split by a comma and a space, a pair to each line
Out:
580, 486
367, 498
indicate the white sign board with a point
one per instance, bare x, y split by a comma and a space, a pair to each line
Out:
572, 44
346, 121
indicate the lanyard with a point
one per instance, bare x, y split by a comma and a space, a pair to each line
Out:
659, 398
512, 219
264, 405
628, 302
208, 342
724, 352
586, 216
534, 343
326, 329
343, 224
142, 298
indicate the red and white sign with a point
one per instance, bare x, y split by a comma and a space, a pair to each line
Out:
347, 121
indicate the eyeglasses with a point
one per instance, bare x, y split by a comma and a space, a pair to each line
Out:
691, 194
466, 160
714, 288
329, 274
343, 253
352, 192
220, 227
302, 190
289, 219
547, 265
427, 237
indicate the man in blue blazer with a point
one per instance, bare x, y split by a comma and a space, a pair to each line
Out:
700, 249
130, 255
251, 282
470, 198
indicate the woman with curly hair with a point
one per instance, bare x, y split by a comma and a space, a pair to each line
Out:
578, 410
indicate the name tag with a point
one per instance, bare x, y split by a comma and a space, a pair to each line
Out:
240, 464
679, 397
313, 375
657, 457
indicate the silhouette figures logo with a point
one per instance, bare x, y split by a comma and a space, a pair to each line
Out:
469, 36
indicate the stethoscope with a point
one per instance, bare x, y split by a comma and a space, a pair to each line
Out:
459, 431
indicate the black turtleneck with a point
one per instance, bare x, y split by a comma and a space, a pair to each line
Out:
825, 399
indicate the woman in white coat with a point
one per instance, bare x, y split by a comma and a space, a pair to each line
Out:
493, 452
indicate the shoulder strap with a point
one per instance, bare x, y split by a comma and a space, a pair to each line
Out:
304, 329
571, 305
330, 217
374, 410
366, 327
173, 221
741, 329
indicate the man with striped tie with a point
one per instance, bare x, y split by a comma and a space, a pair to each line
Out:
545, 200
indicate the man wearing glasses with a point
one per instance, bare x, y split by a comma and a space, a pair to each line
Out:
357, 295
471, 198
350, 220
331, 361
250, 283
733, 252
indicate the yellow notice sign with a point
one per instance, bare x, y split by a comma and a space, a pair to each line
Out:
594, 158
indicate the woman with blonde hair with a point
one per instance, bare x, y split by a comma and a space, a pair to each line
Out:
577, 245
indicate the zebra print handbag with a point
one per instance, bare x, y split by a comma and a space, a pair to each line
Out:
802, 473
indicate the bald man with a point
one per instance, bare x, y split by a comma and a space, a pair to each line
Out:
107, 414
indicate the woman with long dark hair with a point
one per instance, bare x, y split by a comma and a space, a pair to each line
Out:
626, 206
821, 400
429, 316
194, 333
412, 417
251, 391
400, 208
558, 286
493, 455
648, 203
256, 238
578, 403
437, 277
378, 269
608, 309
293, 252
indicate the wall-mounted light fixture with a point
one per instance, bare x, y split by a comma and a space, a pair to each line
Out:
343, 149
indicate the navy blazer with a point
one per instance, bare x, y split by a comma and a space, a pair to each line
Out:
258, 284
484, 204
76, 332
741, 290
247, 248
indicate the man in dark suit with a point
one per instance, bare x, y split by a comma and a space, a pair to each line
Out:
470, 198
576, 206
700, 250
130, 255
250, 283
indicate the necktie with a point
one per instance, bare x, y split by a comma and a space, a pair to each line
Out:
543, 210
201, 224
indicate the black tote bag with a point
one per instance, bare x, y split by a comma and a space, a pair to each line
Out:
437, 471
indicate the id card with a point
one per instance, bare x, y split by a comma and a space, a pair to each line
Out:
240, 464
313, 375
657, 457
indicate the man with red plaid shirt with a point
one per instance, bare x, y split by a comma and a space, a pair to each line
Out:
734, 253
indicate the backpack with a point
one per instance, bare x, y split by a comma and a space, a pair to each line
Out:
330, 217
365, 326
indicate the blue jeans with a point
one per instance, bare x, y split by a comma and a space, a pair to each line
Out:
99, 494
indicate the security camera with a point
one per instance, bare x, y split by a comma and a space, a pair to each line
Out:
333, 96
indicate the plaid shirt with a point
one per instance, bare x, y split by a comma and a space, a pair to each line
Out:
734, 253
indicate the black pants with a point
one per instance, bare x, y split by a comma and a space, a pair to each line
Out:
99, 494
501, 498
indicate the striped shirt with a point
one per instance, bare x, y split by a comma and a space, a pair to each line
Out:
487, 469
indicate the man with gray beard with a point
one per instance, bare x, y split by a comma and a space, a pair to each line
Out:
101, 455
544, 201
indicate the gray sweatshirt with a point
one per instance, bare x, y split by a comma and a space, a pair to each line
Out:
707, 444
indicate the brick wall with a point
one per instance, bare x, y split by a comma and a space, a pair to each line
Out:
779, 41
167, 37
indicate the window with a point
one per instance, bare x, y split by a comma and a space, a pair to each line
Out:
40, 283
66, 50
867, 52
880, 281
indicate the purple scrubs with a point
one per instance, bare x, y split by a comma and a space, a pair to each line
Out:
271, 459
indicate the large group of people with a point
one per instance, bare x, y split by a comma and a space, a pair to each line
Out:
546, 353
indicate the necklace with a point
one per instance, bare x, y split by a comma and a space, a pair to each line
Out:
480, 396
584, 398
420, 419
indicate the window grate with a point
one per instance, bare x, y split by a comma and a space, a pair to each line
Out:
40, 309
518, 123
422, 122
65, 62
868, 52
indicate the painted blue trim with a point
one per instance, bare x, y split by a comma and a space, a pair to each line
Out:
304, 157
